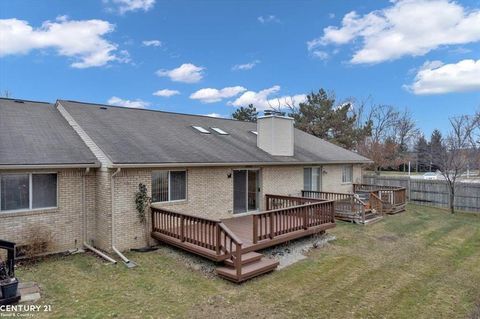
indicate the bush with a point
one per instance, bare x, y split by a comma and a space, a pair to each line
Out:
39, 241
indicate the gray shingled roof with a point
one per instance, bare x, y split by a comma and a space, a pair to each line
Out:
134, 136
35, 133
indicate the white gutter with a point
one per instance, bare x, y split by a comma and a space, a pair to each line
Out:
112, 189
232, 164
84, 235
48, 166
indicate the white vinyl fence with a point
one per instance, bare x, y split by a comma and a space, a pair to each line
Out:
432, 192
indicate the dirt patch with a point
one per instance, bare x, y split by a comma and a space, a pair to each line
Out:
293, 251
388, 238
476, 312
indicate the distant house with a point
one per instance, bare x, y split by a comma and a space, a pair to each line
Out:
74, 168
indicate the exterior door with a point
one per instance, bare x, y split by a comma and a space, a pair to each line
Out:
245, 191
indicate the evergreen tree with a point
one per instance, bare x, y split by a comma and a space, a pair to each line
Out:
319, 116
248, 114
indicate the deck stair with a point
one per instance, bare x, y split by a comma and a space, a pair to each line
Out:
253, 264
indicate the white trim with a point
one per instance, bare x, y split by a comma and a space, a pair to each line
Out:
232, 164
94, 148
47, 166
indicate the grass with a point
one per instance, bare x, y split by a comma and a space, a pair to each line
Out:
420, 264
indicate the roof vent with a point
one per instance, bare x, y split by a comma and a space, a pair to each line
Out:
219, 131
273, 112
18, 101
201, 129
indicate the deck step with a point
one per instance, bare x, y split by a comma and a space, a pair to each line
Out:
247, 258
373, 219
249, 271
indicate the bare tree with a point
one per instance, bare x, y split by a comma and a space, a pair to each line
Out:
6, 93
454, 157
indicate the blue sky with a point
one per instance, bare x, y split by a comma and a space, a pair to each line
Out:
424, 55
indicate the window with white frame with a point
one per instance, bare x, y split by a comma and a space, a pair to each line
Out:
169, 186
312, 179
347, 173
28, 191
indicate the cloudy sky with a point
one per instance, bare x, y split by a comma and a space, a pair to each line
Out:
209, 57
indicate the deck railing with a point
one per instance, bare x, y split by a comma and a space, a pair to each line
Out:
203, 232
280, 201
393, 198
287, 219
344, 202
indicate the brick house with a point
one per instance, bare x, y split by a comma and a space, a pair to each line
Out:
73, 168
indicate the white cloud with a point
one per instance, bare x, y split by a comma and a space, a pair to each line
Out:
268, 19
124, 6
82, 40
319, 54
406, 28
166, 93
263, 99
186, 73
437, 78
246, 66
136, 104
215, 115
152, 43
209, 95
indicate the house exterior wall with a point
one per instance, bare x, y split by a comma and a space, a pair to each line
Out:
209, 194
332, 178
63, 224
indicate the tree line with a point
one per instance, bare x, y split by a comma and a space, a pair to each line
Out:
387, 135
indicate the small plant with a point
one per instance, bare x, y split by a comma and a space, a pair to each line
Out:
39, 240
142, 201
3, 271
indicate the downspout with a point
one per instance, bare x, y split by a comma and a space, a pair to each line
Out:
112, 189
98, 252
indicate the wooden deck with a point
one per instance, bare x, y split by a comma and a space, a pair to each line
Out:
367, 204
235, 240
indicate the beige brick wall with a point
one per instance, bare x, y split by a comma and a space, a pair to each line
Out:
64, 223
209, 194
281, 180
332, 178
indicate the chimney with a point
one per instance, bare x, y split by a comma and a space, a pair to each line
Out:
275, 134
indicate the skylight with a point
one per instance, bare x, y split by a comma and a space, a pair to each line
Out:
254, 132
201, 129
219, 131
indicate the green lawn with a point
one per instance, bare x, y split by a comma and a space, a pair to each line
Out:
424, 263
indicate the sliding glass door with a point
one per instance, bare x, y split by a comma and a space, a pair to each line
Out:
246, 190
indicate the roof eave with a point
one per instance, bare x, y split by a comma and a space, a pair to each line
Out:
47, 166
184, 164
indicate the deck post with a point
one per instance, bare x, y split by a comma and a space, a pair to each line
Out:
238, 259
255, 229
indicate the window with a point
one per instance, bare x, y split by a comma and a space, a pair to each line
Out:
312, 179
27, 191
169, 186
219, 131
347, 173
201, 129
